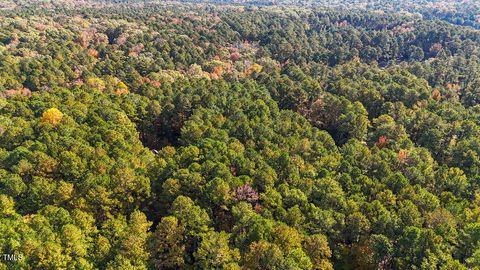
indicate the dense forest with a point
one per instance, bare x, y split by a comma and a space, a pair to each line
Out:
280, 134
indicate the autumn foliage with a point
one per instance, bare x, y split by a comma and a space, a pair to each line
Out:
402, 155
436, 95
310, 135
52, 116
122, 89
254, 68
382, 141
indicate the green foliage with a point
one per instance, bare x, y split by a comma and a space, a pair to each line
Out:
176, 136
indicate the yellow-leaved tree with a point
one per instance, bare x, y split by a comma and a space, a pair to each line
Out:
52, 116
254, 68
122, 89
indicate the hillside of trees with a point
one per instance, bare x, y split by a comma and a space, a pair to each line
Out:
239, 135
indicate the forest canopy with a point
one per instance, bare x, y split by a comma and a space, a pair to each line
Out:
240, 134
